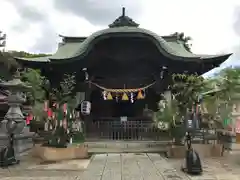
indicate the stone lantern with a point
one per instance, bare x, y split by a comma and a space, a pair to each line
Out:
14, 124
233, 136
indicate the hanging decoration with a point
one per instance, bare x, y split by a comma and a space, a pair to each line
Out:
140, 95
45, 108
131, 98
29, 118
108, 94
65, 108
125, 97
49, 113
104, 95
117, 97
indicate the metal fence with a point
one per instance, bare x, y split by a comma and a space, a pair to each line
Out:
129, 130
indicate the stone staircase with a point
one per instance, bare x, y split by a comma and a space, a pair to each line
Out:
127, 146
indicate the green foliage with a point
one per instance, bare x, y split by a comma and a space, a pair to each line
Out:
26, 54
227, 85
186, 90
167, 112
34, 79
37, 94
225, 88
9, 64
64, 93
229, 82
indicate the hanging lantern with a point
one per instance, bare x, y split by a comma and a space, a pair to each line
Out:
45, 108
109, 96
125, 97
140, 95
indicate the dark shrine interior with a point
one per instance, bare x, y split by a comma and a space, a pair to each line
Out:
124, 62
112, 108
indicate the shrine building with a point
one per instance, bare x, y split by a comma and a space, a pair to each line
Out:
122, 69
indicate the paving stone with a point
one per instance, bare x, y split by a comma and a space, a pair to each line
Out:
147, 168
165, 168
130, 168
126, 166
96, 168
113, 168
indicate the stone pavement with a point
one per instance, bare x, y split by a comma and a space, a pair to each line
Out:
125, 166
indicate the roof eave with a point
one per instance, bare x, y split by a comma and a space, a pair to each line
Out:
31, 64
210, 57
31, 59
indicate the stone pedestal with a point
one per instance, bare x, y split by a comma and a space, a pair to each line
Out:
22, 142
204, 150
49, 154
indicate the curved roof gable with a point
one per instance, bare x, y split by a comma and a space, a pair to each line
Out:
170, 46
172, 49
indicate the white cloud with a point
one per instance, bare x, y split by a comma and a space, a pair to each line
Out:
208, 22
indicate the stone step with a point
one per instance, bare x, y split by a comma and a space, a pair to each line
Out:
127, 146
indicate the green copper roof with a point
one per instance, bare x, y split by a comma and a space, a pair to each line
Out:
66, 50
37, 59
171, 49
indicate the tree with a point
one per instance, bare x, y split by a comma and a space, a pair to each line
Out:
229, 81
9, 64
36, 81
220, 99
37, 94
186, 90
64, 93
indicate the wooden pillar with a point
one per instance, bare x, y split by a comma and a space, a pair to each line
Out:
168, 97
